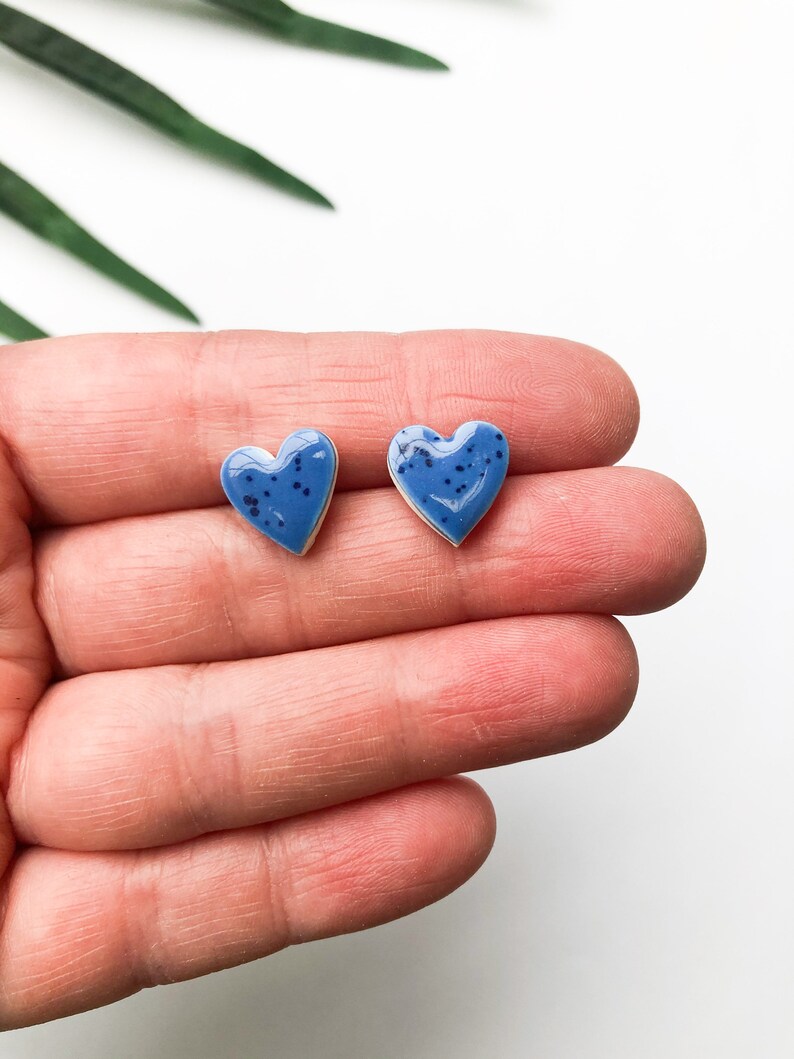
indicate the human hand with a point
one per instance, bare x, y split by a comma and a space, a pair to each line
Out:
212, 749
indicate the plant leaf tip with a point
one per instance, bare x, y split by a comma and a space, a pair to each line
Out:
180, 309
313, 196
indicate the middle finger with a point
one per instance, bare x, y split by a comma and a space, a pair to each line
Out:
202, 586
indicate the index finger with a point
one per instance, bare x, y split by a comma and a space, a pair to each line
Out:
108, 425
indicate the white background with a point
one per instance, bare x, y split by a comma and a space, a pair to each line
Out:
616, 171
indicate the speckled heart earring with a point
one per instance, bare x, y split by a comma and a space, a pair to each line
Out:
285, 497
449, 482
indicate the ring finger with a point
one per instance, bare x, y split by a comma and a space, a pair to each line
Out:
147, 757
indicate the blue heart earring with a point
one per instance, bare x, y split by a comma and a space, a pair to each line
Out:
449, 482
286, 497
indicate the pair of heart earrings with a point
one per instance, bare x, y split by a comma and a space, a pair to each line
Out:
449, 482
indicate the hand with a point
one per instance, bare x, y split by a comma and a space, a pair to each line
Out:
213, 749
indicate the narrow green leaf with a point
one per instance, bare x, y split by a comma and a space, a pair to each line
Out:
289, 24
93, 71
26, 204
16, 327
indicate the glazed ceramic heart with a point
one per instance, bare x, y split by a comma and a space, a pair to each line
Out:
450, 482
286, 497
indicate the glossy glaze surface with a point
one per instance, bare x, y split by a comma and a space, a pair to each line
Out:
450, 482
286, 496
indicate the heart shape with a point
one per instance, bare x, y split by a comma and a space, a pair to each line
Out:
450, 482
286, 497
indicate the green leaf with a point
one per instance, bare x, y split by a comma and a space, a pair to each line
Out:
26, 204
93, 71
16, 327
292, 25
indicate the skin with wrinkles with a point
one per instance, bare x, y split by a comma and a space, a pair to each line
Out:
212, 748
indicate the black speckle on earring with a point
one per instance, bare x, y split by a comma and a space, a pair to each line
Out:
471, 465
428, 463
267, 492
470, 448
411, 466
255, 511
482, 474
296, 485
246, 500
436, 438
488, 460
281, 522
499, 454
424, 499
458, 489
401, 470
444, 519
306, 492
267, 521
249, 478
498, 437
274, 478
460, 467
447, 481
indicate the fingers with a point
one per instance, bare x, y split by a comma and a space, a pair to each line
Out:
111, 425
201, 585
147, 757
25, 660
86, 929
